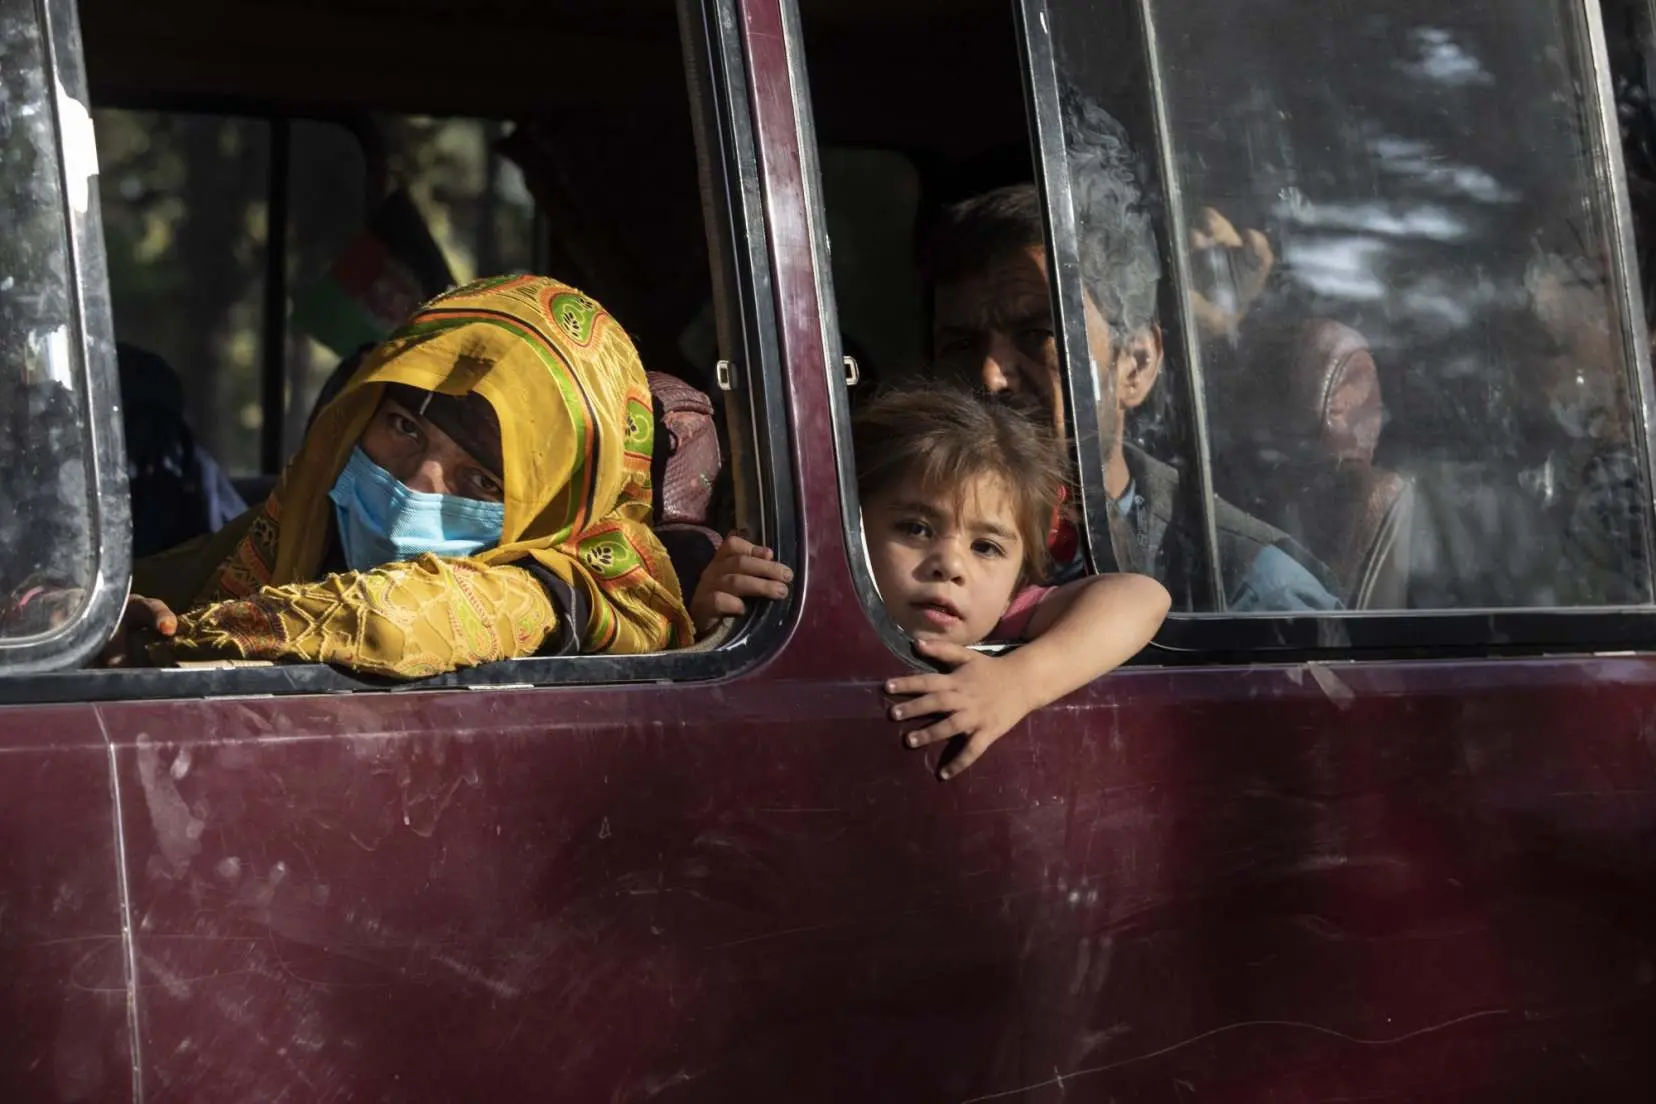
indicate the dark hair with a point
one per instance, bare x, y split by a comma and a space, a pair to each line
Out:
1120, 264
944, 436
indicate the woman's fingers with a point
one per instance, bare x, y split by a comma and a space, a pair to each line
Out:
141, 618
763, 569
753, 586
726, 604
740, 569
736, 545
156, 615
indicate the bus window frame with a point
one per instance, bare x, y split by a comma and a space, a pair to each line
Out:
738, 235
110, 523
1218, 635
833, 354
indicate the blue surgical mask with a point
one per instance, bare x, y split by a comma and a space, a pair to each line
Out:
381, 521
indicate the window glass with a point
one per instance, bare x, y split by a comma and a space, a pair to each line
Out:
436, 185
187, 200
329, 185
47, 557
185, 203
1406, 373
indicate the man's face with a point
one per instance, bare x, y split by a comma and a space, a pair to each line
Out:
995, 328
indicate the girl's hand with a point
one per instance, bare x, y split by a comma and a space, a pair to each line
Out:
144, 620
979, 700
740, 570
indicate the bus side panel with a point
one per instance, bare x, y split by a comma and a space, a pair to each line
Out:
63, 1002
1242, 885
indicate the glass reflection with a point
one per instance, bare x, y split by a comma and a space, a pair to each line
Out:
1407, 331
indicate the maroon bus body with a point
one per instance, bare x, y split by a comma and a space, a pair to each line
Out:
1376, 881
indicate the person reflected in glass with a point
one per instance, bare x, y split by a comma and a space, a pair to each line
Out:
993, 323
478, 490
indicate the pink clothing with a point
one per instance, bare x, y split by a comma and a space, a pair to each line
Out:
1014, 623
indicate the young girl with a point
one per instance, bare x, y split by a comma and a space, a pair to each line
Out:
958, 496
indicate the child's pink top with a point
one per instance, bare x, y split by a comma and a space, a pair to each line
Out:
1014, 623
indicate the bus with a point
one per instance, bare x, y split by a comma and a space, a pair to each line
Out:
1395, 843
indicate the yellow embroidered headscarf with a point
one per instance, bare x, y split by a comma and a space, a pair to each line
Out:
576, 433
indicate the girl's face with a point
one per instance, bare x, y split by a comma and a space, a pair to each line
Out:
946, 565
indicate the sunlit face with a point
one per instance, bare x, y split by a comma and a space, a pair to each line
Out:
995, 328
946, 570
424, 458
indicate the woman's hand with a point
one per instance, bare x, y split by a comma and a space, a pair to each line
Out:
980, 699
144, 621
740, 570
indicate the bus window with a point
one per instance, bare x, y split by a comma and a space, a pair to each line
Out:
1399, 364
261, 252
62, 542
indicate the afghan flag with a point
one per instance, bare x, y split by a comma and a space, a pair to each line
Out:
383, 276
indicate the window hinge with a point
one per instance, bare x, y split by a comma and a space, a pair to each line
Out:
853, 372
724, 374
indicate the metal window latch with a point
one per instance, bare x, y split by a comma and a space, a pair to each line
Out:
724, 374
853, 373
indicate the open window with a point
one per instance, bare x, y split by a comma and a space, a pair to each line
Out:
262, 229
63, 517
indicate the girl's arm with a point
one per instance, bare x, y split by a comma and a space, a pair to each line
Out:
1088, 628
1078, 633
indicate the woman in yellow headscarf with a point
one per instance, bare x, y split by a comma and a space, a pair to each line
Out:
479, 490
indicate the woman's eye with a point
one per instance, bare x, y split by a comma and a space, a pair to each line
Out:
487, 486
404, 425
913, 528
988, 548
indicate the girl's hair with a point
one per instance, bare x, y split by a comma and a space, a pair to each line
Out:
945, 436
